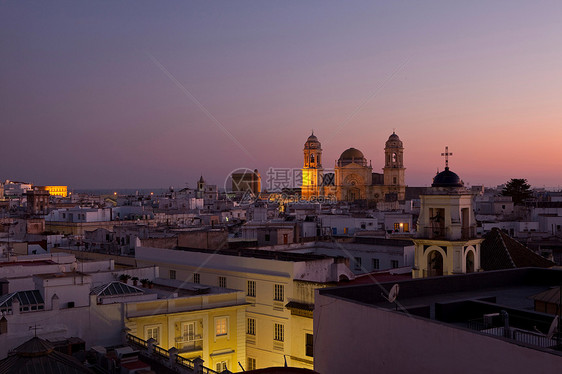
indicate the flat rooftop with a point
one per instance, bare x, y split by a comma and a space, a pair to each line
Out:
259, 253
481, 302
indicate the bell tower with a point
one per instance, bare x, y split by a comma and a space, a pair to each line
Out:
446, 241
312, 171
394, 169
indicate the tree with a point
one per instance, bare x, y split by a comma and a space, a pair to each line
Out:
518, 189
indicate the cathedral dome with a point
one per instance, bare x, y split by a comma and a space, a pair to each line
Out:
394, 141
447, 178
352, 155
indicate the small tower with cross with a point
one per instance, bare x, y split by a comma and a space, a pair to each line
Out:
446, 241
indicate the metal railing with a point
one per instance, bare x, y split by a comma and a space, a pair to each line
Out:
184, 344
537, 339
164, 355
435, 232
137, 341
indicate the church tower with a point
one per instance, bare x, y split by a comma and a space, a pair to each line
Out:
446, 241
200, 193
394, 169
312, 171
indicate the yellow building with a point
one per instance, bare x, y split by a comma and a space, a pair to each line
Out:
209, 326
446, 240
61, 191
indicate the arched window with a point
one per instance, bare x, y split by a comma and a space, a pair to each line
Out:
312, 158
394, 157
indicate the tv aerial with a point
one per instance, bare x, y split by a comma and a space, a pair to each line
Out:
392, 294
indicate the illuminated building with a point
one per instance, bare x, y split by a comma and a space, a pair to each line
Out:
446, 240
353, 178
61, 191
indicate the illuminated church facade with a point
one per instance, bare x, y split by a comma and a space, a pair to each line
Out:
353, 178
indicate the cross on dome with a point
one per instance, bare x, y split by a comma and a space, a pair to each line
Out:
447, 154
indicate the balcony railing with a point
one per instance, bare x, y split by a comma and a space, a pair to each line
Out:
441, 232
435, 232
189, 343
516, 334
164, 356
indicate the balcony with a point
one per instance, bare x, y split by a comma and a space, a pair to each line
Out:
435, 232
189, 343
454, 232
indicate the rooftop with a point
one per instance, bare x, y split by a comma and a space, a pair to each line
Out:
259, 253
464, 300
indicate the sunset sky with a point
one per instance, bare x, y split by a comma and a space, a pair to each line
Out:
126, 94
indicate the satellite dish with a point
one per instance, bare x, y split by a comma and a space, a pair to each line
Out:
393, 294
553, 328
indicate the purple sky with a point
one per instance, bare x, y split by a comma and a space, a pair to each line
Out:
154, 93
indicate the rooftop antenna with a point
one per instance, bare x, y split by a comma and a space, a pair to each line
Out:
393, 294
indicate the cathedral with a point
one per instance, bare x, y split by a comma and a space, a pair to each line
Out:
353, 178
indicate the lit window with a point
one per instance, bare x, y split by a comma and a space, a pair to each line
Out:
252, 288
152, 332
221, 366
251, 326
188, 331
279, 292
221, 326
196, 278
279, 332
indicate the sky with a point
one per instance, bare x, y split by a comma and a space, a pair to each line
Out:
138, 94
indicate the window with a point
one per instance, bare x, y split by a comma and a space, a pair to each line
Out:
267, 237
406, 227
394, 180
357, 263
221, 326
172, 274
279, 294
188, 331
196, 278
376, 263
4, 326
221, 366
251, 326
222, 282
152, 332
396, 226
251, 364
252, 288
309, 345
279, 332
394, 264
